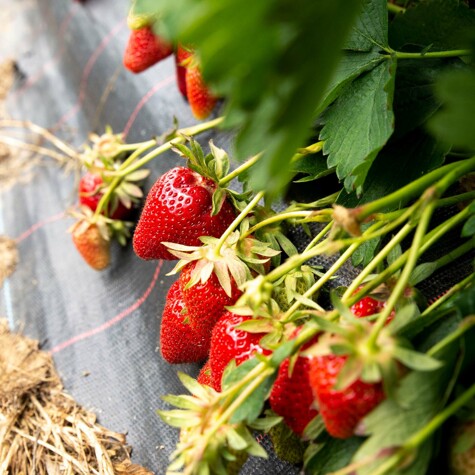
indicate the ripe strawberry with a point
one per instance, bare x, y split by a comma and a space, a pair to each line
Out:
144, 49
341, 410
228, 343
91, 244
368, 306
181, 57
301, 410
201, 100
178, 209
205, 377
206, 301
90, 193
179, 343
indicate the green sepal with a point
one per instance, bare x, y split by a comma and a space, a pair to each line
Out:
179, 418
415, 360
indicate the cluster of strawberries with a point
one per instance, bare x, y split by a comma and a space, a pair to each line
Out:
146, 48
198, 326
95, 228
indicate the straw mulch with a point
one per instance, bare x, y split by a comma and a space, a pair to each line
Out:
43, 431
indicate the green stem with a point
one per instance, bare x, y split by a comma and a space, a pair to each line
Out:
420, 436
411, 190
433, 236
453, 290
134, 146
242, 215
455, 254
326, 229
403, 232
103, 202
323, 279
434, 54
406, 273
181, 134
465, 325
276, 219
395, 8
248, 164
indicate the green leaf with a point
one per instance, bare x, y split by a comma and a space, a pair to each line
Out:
331, 455
438, 24
273, 66
422, 272
353, 143
351, 65
392, 423
416, 153
454, 123
414, 95
468, 229
371, 27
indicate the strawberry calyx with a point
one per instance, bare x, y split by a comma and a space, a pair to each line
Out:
110, 229
227, 260
105, 152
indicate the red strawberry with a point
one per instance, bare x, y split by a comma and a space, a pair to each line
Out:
179, 343
291, 396
228, 343
91, 244
178, 209
181, 57
368, 306
144, 49
201, 100
341, 410
90, 193
205, 377
206, 301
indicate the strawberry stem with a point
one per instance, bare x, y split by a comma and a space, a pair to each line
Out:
415, 188
424, 433
406, 273
236, 172
453, 290
181, 136
237, 221
378, 259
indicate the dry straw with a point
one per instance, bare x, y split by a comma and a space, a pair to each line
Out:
43, 431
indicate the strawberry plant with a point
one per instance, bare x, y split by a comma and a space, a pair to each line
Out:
357, 115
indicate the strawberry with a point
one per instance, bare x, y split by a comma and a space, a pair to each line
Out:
206, 301
144, 49
201, 100
179, 343
91, 243
229, 343
341, 410
205, 377
301, 410
368, 306
182, 56
91, 191
178, 209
